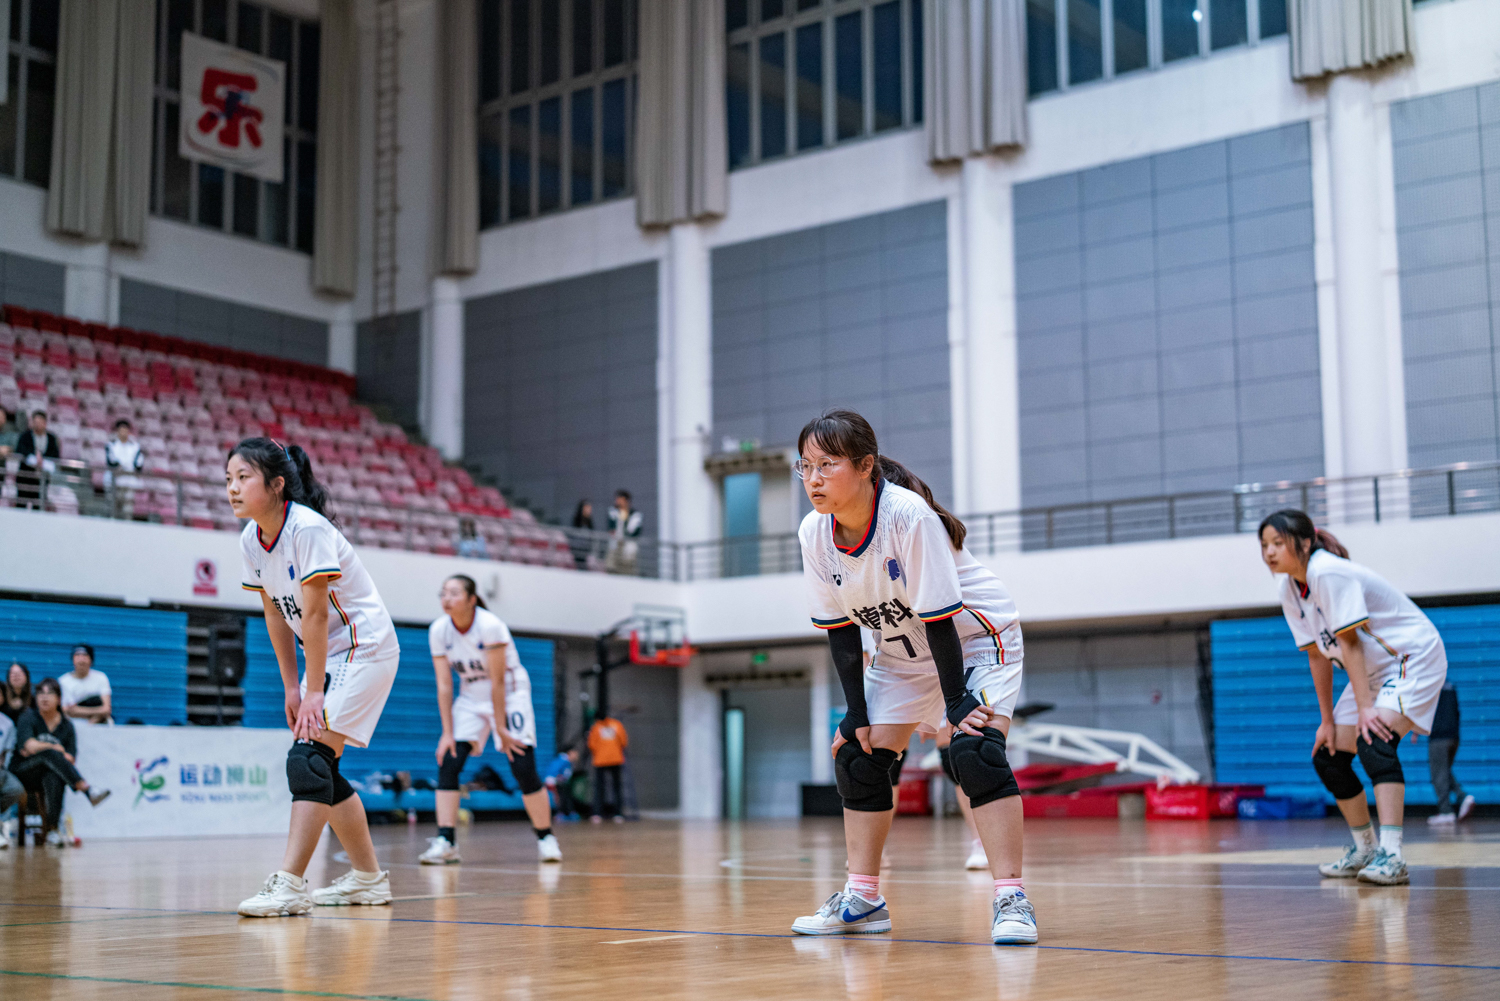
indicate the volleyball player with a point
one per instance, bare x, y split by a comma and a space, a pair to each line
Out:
493, 688
976, 859
880, 552
314, 590
1347, 616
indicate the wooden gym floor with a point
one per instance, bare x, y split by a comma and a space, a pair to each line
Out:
658, 910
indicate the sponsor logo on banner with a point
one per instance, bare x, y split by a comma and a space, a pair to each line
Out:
232, 108
206, 579
150, 779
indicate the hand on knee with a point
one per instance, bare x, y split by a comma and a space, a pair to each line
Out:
309, 772
1380, 760
1337, 772
864, 780
983, 769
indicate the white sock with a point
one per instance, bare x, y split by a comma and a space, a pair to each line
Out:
1390, 839
292, 878
1364, 837
367, 877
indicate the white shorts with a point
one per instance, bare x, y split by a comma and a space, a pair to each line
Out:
354, 697
1412, 691
474, 720
897, 692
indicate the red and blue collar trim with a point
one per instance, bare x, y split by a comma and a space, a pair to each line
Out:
864, 543
286, 512
1302, 588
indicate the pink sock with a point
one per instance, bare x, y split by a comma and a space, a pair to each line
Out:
1007, 886
866, 886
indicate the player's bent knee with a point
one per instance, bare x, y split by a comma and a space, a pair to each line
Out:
864, 780
342, 790
983, 769
523, 767
1337, 772
309, 772
945, 756
1380, 760
451, 766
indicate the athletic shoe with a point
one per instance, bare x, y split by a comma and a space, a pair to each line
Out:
440, 851
618, 818
548, 850
351, 889
1466, 807
280, 897
846, 913
1386, 869
1355, 858
1442, 820
56, 840
977, 858
97, 796
7, 833
1015, 920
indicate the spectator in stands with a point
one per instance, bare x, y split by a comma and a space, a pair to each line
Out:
15, 693
45, 756
85, 692
583, 520
624, 529
11, 790
10, 433
38, 449
607, 743
559, 779
124, 458
470, 543
1442, 746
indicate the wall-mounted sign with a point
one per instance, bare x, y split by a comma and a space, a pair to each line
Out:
232, 108
206, 579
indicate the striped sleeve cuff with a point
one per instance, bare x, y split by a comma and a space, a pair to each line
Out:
1352, 625
1308, 646
251, 587
332, 573
941, 613
831, 623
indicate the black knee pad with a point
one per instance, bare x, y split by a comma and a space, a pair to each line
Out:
864, 780
451, 766
946, 758
342, 790
1380, 760
982, 768
310, 769
1337, 772
523, 767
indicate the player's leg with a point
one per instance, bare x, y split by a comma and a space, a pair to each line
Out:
443, 849
1440, 752
1388, 866
977, 858
365, 882
538, 806
309, 774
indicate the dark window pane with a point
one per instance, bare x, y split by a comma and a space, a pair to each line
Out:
246, 205
307, 192
179, 19
520, 46
8, 119
489, 50
737, 103
1272, 18
887, 32
1228, 24
612, 139
916, 60
1179, 29
210, 196
772, 8
215, 20
1041, 45
274, 200
583, 37
810, 85
280, 45
41, 83
550, 55
773, 95
489, 171
581, 131
849, 77
614, 32
248, 29
307, 76
1130, 35
736, 14
518, 163
807, 4
15, 22
549, 154
1085, 55
176, 171
43, 23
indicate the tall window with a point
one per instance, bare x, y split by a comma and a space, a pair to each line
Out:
556, 105
1071, 42
223, 199
26, 115
806, 74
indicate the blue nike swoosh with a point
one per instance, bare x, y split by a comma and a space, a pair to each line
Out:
850, 919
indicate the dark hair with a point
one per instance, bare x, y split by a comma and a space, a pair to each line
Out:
470, 588
39, 413
290, 463
25, 692
49, 684
622, 492
86, 649
1297, 528
122, 422
846, 434
580, 520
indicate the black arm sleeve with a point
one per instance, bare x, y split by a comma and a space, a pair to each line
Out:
948, 658
26, 727
69, 736
849, 661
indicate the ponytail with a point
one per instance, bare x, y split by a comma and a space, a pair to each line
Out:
1297, 528
1324, 539
292, 466
895, 472
470, 588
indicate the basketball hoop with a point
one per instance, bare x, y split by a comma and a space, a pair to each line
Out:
658, 637
677, 656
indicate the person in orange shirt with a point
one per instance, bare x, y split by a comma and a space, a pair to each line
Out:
607, 743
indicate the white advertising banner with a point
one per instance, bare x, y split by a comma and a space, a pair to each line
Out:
182, 780
232, 108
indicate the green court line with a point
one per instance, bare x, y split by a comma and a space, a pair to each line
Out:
207, 987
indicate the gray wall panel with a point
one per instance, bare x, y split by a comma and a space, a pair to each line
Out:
223, 323
31, 283
388, 363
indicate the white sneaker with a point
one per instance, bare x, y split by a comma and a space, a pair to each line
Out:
440, 851
1442, 820
548, 850
1015, 920
7, 833
351, 889
56, 840
977, 858
1355, 859
1386, 869
1466, 807
280, 897
846, 913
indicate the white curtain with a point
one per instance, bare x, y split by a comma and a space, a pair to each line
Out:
458, 154
1329, 36
336, 209
681, 159
975, 76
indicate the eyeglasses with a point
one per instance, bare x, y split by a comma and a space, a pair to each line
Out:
823, 467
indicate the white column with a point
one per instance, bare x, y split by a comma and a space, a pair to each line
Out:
341, 338
446, 371
822, 761
86, 285
700, 750
684, 395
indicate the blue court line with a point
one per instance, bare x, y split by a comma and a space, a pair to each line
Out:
206, 987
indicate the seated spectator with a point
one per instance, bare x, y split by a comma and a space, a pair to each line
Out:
470, 543
15, 692
124, 458
558, 779
11, 790
583, 520
10, 432
607, 743
45, 755
85, 692
624, 529
37, 448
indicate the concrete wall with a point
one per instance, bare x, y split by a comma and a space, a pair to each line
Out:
221, 322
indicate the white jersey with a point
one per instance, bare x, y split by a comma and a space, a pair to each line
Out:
473, 708
903, 574
308, 546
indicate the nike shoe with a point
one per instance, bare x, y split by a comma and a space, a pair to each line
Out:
56, 840
1385, 869
977, 858
1441, 820
97, 796
1015, 920
280, 897
440, 851
548, 850
351, 889
1348, 867
1466, 807
846, 913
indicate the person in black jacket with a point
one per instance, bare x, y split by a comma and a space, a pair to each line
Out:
1442, 746
45, 755
37, 448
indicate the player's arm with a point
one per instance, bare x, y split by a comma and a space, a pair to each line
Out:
445, 705
1352, 653
315, 656
1322, 677
494, 666
284, 642
848, 660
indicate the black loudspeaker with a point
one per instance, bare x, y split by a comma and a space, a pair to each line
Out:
226, 660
